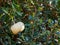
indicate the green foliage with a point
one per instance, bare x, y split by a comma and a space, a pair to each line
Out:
41, 19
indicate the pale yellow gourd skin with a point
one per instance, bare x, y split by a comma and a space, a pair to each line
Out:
17, 27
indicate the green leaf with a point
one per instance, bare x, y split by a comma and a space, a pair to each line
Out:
41, 21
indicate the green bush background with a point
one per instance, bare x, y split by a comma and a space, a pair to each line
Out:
42, 22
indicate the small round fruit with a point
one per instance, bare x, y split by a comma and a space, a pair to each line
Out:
17, 27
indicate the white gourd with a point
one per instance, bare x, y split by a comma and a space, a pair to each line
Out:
17, 27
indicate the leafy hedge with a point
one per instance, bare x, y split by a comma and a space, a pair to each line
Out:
41, 19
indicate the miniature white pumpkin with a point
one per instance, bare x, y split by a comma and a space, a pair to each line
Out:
17, 27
